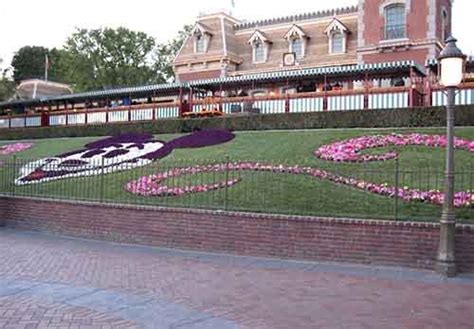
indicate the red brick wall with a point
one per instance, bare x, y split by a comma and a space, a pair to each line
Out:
360, 241
419, 55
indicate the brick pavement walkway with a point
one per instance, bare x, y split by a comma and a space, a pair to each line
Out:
54, 282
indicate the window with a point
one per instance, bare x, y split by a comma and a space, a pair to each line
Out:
258, 52
297, 47
445, 27
337, 43
395, 22
200, 44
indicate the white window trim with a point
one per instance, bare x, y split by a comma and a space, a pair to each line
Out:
207, 39
344, 43
200, 31
258, 37
337, 27
295, 32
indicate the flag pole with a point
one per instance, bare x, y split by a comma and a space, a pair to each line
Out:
46, 67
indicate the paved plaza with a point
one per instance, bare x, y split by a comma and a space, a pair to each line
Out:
54, 282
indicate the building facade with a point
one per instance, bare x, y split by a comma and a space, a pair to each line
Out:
373, 31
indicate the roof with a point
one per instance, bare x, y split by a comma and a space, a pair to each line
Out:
391, 67
332, 71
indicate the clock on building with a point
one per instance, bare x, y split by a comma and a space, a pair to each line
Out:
289, 59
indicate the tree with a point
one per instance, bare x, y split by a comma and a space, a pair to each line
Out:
166, 53
29, 62
7, 86
107, 58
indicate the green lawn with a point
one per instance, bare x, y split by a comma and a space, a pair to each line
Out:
420, 167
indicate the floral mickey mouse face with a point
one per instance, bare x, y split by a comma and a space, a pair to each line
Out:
113, 154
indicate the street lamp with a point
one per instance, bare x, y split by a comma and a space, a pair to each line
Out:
451, 62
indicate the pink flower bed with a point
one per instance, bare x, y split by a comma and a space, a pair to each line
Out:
349, 150
153, 185
344, 151
14, 148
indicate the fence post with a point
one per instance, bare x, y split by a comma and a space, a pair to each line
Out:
397, 184
14, 174
226, 181
102, 174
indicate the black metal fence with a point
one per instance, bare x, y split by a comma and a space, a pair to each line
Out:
391, 193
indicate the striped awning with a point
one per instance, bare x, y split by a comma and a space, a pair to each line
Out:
400, 67
333, 71
433, 63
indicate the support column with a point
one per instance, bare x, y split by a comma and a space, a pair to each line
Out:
446, 263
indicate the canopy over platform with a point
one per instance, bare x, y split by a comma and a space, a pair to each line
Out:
353, 72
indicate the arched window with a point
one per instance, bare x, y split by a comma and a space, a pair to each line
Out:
258, 52
297, 47
337, 43
395, 21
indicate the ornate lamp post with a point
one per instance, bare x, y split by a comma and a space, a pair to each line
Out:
451, 62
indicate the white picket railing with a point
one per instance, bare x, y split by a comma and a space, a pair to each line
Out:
57, 120
76, 118
309, 104
167, 112
463, 97
118, 116
345, 102
33, 121
141, 115
389, 100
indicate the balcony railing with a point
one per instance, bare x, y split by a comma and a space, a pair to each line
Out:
392, 32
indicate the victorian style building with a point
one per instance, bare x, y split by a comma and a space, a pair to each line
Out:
374, 31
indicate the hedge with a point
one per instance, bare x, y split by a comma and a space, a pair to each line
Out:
412, 117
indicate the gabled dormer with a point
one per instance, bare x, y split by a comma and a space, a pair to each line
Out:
260, 47
337, 34
202, 37
297, 41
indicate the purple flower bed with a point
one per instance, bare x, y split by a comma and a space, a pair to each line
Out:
118, 153
349, 150
154, 185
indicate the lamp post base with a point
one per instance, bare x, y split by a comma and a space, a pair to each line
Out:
446, 269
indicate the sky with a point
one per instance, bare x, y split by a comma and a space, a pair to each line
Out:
49, 22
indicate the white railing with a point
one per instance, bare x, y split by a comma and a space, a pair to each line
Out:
345, 102
167, 112
307, 104
389, 100
463, 97
118, 116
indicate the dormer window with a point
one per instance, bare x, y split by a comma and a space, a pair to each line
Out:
297, 41
337, 34
258, 52
200, 44
395, 21
260, 47
202, 37
337, 43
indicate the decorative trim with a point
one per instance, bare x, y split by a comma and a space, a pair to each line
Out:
334, 28
300, 17
387, 3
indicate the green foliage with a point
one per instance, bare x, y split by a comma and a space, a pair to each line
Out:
7, 86
29, 62
106, 58
165, 54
